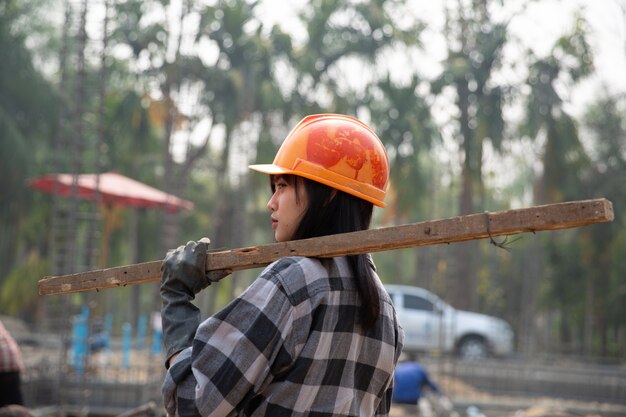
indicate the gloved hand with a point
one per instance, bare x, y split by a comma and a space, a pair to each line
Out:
183, 275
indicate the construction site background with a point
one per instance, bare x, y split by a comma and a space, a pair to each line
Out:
114, 382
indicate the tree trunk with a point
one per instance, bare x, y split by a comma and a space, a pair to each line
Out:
534, 270
464, 268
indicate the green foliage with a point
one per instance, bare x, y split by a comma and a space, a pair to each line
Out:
19, 295
604, 260
616, 300
26, 112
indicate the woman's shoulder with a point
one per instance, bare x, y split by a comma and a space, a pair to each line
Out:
305, 266
285, 263
302, 277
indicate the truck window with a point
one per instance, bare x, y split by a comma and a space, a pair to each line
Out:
414, 302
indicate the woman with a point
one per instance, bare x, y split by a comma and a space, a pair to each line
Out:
310, 336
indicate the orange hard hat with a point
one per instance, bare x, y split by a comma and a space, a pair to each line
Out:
337, 150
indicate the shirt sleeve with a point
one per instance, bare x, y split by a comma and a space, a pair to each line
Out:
178, 388
235, 353
429, 382
385, 402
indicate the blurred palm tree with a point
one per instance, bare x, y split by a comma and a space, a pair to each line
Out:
475, 41
563, 156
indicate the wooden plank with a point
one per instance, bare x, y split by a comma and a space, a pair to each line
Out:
455, 229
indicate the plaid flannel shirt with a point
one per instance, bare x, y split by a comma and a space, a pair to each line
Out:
10, 354
290, 345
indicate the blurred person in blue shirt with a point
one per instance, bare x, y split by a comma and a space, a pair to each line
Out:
409, 379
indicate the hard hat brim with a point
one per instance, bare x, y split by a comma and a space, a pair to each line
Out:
273, 169
270, 169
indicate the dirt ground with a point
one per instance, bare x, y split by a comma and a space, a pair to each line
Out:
502, 408
470, 402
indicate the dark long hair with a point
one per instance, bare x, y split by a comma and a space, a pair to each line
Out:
329, 212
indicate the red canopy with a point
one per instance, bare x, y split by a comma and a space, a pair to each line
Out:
115, 190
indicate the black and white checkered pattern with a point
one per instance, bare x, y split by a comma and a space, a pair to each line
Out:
290, 345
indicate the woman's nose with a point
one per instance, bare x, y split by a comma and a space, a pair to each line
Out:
271, 203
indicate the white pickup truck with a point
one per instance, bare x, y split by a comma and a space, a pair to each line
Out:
430, 324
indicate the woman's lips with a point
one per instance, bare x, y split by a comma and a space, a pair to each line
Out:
274, 223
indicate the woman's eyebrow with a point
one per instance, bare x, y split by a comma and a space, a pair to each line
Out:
277, 178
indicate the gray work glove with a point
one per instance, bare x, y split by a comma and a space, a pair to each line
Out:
183, 275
